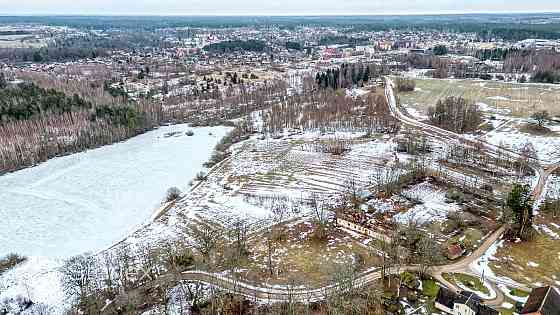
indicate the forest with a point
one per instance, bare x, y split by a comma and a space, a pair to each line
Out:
46, 117
26, 100
50, 54
348, 75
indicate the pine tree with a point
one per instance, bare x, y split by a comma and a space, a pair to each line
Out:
519, 201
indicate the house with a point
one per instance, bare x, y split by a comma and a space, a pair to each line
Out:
379, 233
463, 303
542, 301
454, 251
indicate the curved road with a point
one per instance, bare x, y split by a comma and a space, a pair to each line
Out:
464, 266
269, 294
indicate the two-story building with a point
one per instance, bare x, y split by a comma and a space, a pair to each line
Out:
463, 303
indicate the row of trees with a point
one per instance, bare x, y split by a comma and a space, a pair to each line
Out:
542, 65
405, 85
532, 61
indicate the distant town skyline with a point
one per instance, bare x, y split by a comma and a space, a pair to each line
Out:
284, 7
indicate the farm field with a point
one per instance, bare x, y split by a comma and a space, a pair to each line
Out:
517, 100
506, 109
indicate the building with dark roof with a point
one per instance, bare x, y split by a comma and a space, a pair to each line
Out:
542, 301
463, 303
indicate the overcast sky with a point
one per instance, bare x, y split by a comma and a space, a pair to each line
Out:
271, 7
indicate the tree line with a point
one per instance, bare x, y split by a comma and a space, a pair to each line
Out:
51, 54
327, 111
40, 120
348, 75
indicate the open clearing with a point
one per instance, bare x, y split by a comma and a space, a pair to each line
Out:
518, 100
506, 109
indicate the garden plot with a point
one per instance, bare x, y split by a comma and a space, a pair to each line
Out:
286, 167
432, 204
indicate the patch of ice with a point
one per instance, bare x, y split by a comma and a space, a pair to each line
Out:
532, 264
507, 305
94, 198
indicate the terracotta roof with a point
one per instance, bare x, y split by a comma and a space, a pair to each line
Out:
454, 251
545, 300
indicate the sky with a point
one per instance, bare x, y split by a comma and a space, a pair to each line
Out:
271, 7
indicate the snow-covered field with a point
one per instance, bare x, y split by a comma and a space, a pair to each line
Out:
432, 208
547, 147
86, 201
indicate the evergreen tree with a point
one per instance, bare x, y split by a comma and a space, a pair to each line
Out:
3, 81
519, 201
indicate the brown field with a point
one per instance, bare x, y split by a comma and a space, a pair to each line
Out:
520, 100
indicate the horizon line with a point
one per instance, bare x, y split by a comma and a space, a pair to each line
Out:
285, 14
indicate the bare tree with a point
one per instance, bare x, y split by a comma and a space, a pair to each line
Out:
206, 240
541, 117
78, 276
428, 253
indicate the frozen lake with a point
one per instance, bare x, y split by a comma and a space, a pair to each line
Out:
86, 201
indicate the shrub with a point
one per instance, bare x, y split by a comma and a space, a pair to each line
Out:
430, 288
173, 193
10, 261
455, 195
189, 133
545, 77
200, 176
409, 280
181, 258
405, 85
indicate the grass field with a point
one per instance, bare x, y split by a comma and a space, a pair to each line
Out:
470, 282
300, 258
535, 263
518, 100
